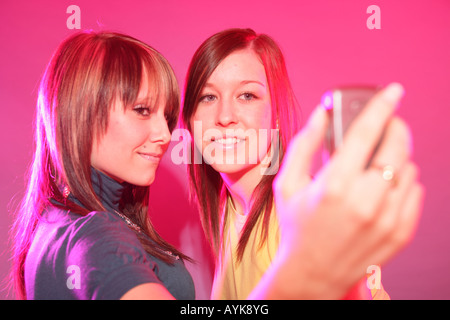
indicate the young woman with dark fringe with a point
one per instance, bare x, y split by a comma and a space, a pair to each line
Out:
106, 107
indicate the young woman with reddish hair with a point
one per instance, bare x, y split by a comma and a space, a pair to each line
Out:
237, 93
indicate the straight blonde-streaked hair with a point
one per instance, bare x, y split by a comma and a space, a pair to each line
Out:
84, 76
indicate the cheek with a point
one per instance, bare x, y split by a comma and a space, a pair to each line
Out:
127, 136
267, 114
116, 143
263, 122
261, 119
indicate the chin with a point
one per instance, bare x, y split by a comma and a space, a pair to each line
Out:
143, 181
231, 169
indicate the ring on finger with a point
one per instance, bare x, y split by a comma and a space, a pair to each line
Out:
387, 173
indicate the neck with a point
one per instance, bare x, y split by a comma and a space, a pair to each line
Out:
107, 189
241, 186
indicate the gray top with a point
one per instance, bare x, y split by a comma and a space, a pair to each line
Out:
96, 256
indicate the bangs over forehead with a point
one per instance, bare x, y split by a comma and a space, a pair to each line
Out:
125, 65
88, 72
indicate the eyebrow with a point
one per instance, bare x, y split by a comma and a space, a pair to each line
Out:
253, 81
209, 84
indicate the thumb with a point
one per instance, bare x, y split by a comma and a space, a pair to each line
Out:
295, 170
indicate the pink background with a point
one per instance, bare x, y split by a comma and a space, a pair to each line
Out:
325, 43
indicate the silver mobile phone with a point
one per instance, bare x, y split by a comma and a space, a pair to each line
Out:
343, 104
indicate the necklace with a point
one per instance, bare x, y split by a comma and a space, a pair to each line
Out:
138, 229
131, 224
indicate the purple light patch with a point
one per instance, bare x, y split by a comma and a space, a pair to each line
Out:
327, 100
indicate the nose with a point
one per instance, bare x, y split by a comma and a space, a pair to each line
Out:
225, 115
160, 132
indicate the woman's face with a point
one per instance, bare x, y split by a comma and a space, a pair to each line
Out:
136, 138
232, 123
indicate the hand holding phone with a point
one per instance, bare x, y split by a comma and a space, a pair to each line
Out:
343, 104
366, 217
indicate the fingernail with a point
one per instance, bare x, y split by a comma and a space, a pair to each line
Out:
394, 92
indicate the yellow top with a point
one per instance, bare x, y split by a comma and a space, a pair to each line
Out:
235, 281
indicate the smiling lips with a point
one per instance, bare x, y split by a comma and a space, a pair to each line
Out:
227, 142
153, 157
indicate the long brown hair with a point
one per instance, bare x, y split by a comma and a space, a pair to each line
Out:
206, 184
86, 73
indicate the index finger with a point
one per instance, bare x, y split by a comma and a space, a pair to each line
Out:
365, 132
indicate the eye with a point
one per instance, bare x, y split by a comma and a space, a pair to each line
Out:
207, 98
247, 96
142, 110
